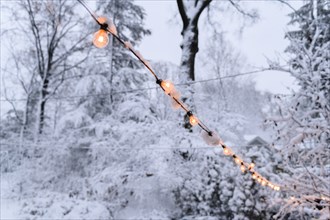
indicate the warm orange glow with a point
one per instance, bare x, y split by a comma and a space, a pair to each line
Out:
113, 29
243, 168
227, 151
259, 180
176, 94
251, 166
263, 182
193, 120
167, 86
101, 39
102, 20
254, 176
237, 160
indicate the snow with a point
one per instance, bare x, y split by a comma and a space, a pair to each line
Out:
120, 152
9, 208
249, 137
211, 140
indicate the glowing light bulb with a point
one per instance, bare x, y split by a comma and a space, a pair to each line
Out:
251, 166
101, 39
193, 120
237, 160
263, 182
243, 168
254, 176
167, 86
259, 180
227, 151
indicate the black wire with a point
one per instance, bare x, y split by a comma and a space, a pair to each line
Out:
89, 11
136, 55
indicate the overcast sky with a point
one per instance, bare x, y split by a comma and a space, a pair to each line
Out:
264, 39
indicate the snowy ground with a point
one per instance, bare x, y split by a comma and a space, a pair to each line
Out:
54, 205
9, 208
47, 205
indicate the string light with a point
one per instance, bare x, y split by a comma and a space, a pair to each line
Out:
251, 166
227, 151
242, 168
238, 161
193, 120
259, 179
102, 20
167, 86
101, 39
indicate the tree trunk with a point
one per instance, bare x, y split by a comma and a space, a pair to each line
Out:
189, 50
190, 12
43, 100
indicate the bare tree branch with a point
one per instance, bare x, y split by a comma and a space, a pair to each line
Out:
183, 13
240, 10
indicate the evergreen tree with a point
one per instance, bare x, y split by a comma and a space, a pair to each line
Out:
303, 120
129, 20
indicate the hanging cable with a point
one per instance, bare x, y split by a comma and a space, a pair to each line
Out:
209, 136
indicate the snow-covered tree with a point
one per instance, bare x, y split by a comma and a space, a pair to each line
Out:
303, 120
212, 186
129, 19
190, 13
51, 38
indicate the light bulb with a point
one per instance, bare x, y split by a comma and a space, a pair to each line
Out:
102, 20
254, 176
243, 168
101, 39
167, 86
227, 151
263, 182
259, 180
237, 160
251, 166
193, 120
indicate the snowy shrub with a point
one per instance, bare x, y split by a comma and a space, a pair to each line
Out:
302, 120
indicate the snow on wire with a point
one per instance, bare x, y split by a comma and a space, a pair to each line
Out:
210, 137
